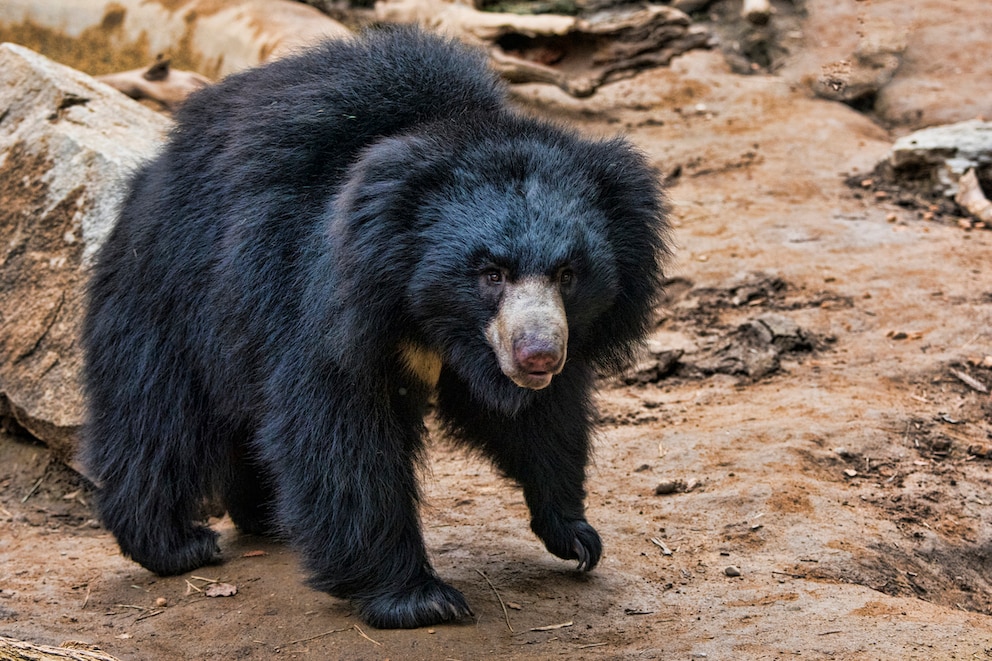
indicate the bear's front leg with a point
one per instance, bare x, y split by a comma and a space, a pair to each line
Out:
545, 448
552, 480
430, 601
557, 518
344, 458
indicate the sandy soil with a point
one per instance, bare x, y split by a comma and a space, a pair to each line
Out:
844, 473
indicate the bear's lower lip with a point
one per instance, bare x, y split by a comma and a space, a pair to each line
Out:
535, 380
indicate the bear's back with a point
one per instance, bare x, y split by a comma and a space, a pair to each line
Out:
303, 119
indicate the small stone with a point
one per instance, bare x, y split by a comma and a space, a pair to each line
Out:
161, 601
940, 445
669, 487
850, 472
732, 571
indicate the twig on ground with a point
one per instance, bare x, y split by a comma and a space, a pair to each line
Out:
33, 489
151, 613
506, 615
970, 381
362, 634
552, 627
660, 544
208, 580
314, 637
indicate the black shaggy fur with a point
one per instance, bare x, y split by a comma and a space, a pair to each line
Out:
307, 220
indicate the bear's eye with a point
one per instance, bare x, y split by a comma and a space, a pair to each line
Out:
493, 276
566, 277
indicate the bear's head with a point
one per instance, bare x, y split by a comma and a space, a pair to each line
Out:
502, 249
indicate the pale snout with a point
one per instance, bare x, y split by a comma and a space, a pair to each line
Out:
529, 333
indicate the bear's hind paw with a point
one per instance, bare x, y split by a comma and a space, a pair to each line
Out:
199, 548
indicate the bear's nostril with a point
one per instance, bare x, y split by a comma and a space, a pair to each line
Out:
542, 362
538, 359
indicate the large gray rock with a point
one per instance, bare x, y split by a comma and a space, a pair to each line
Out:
944, 153
67, 146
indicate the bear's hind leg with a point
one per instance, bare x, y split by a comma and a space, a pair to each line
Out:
249, 495
148, 499
146, 444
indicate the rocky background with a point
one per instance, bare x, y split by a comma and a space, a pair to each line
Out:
799, 464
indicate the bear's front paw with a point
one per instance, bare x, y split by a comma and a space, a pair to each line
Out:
431, 602
571, 540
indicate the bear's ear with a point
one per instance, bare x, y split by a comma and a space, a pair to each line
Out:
630, 195
372, 251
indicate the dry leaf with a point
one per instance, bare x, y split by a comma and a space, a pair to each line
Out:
220, 590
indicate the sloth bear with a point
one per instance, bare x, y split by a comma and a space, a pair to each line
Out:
327, 246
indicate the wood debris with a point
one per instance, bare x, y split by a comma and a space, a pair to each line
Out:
972, 199
159, 83
575, 53
969, 381
19, 650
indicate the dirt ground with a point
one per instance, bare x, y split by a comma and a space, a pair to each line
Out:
827, 492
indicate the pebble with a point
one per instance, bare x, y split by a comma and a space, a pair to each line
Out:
669, 486
676, 486
732, 571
